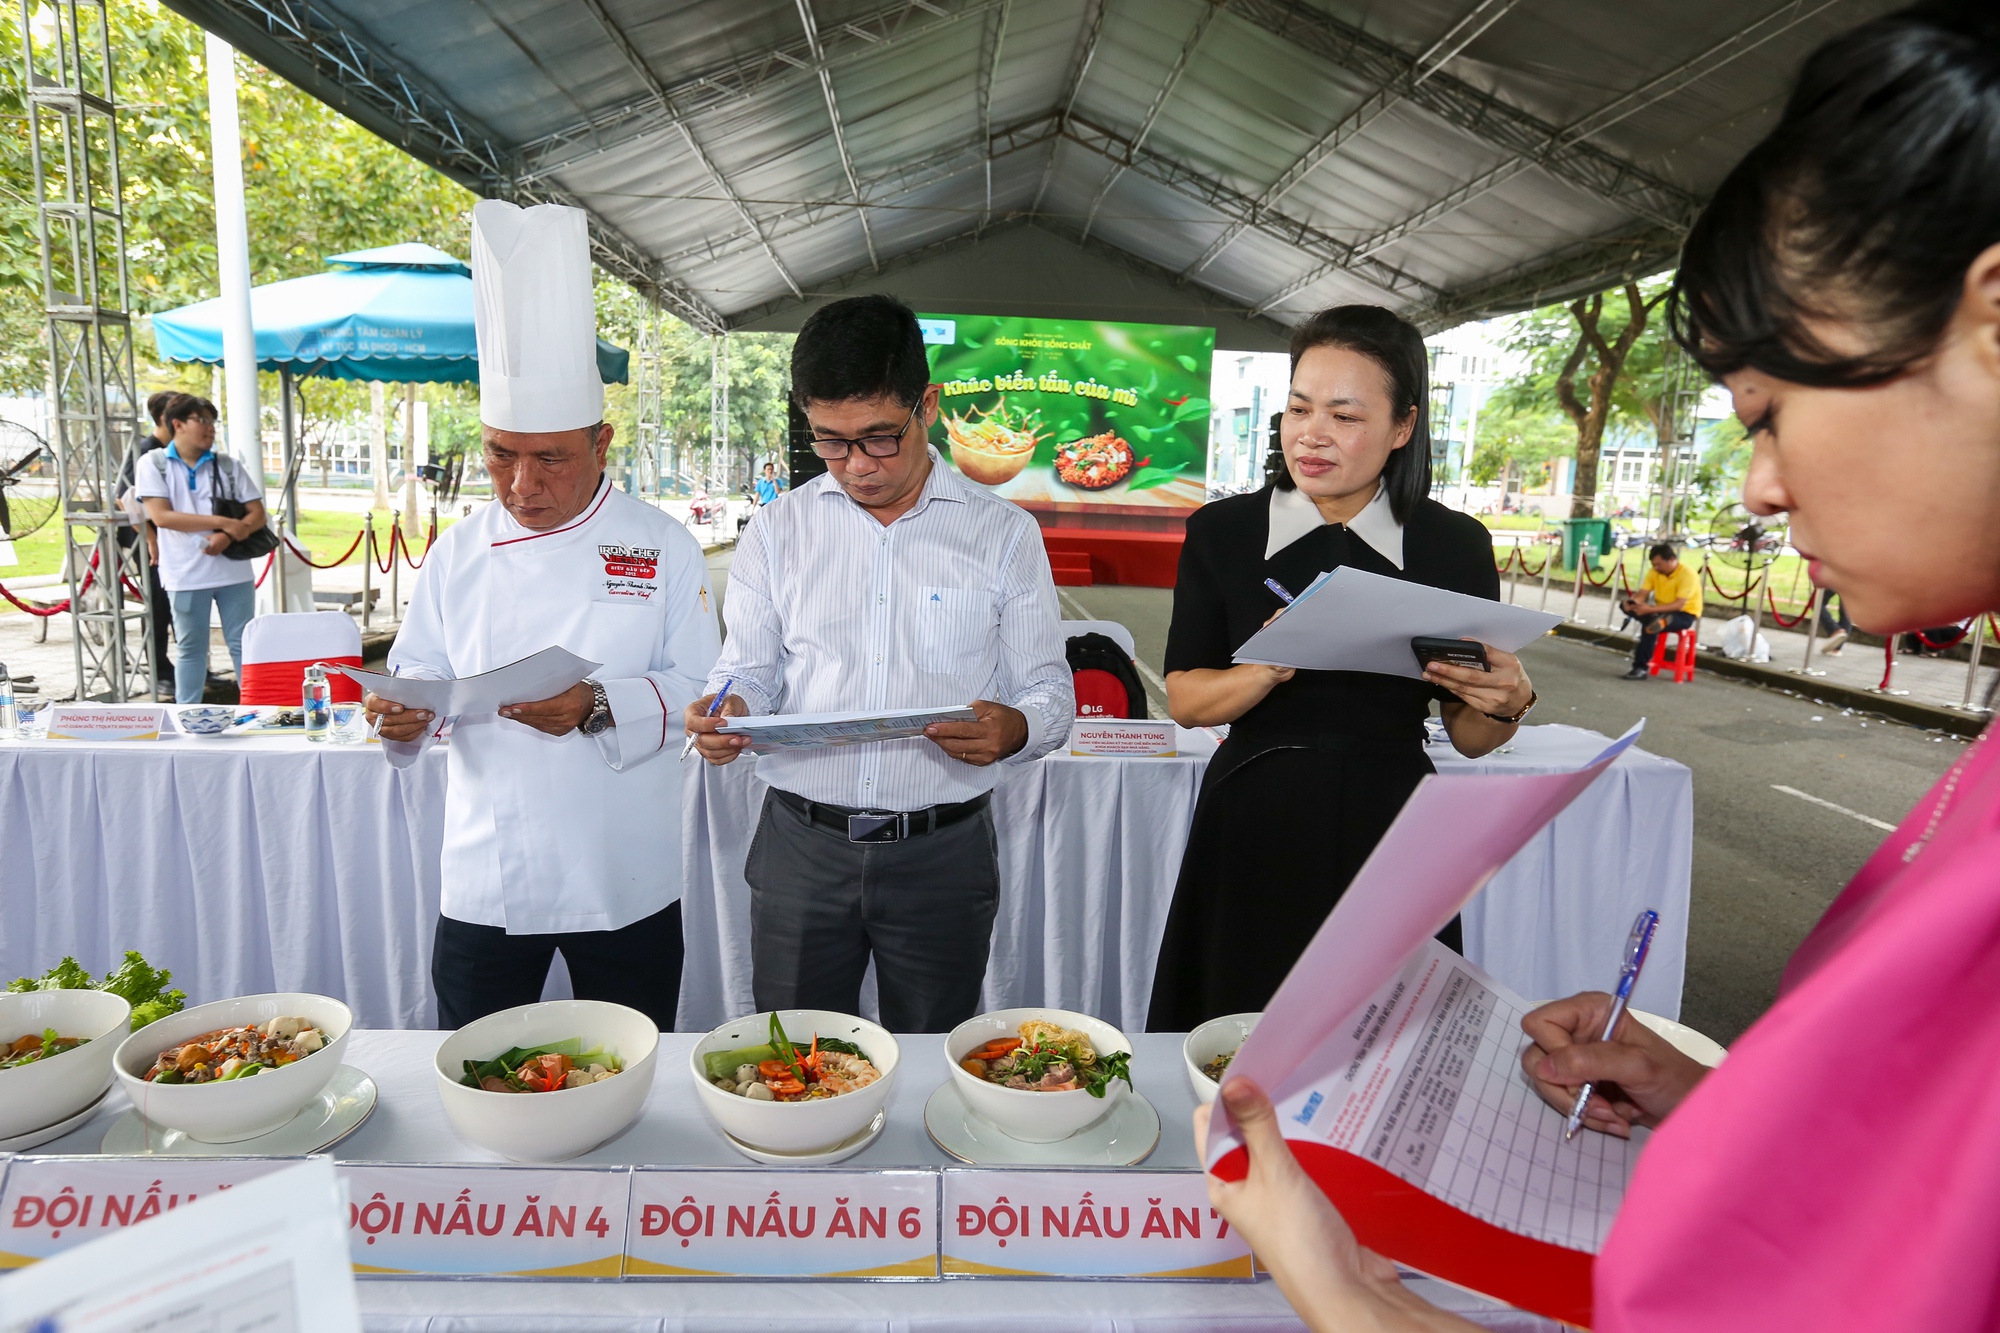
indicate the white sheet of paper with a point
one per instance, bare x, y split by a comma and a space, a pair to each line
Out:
809, 731
1321, 1030
538, 676
269, 1254
1351, 620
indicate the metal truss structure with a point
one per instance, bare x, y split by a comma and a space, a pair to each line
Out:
716, 473
72, 122
1154, 153
649, 447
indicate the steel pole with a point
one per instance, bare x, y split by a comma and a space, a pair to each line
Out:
367, 569
1576, 597
1548, 560
1972, 665
1812, 628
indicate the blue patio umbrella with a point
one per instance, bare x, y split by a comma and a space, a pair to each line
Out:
401, 314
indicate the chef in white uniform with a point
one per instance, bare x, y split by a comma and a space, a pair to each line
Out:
562, 815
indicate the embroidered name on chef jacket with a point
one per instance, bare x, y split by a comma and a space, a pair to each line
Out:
631, 573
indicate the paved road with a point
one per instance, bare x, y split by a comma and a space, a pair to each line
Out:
1766, 862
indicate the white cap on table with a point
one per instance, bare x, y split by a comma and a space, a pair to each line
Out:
535, 313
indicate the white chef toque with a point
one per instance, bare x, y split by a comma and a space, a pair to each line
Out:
535, 313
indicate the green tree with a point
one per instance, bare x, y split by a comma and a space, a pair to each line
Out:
315, 184
1518, 439
1596, 361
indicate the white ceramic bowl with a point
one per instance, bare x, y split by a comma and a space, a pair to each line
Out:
1033, 1117
1218, 1036
549, 1126
242, 1108
57, 1088
205, 720
796, 1127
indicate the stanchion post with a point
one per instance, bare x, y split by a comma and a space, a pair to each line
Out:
395, 574
1513, 571
1617, 577
1548, 559
1576, 597
367, 569
1972, 664
1812, 631
1750, 595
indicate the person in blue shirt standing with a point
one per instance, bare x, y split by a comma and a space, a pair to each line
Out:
769, 485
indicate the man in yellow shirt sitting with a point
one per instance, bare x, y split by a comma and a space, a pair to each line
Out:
1668, 598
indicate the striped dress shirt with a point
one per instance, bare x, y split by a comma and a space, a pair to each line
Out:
829, 610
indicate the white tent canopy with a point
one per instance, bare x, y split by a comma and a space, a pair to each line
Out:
1235, 162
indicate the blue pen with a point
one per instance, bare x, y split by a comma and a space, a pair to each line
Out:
1279, 589
713, 709
1636, 947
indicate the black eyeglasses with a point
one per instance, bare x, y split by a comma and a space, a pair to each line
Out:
875, 446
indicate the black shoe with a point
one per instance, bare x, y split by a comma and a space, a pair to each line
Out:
1636, 673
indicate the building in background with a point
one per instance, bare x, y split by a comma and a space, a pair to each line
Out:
1245, 389
1466, 364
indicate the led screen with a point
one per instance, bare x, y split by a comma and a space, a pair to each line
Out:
1072, 411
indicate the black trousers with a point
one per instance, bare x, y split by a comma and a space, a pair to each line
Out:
819, 905
1651, 628
480, 970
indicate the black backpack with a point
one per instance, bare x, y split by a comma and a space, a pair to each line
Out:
1093, 658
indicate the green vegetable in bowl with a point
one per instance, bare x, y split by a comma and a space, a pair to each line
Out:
135, 981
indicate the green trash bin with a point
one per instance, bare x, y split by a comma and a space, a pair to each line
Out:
1590, 537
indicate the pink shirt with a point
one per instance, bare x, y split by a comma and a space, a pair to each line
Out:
1841, 1170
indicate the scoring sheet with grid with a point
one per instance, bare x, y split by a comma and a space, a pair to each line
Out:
1427, 1083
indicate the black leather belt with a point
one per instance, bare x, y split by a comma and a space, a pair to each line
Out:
882, 825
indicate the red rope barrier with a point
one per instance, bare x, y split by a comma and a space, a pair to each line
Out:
1771, 600
1888, 662
1953, 642
1609, 574
269, 560
48, 609
1725, 595
306, 555
1508, 563
410, 555
1536, 571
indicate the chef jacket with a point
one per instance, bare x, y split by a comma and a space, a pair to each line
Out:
563, 833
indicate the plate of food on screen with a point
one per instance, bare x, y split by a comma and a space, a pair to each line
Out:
1095, 462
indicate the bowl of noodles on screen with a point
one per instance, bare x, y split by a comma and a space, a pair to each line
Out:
1039, 1075
544, 1082
794, 1080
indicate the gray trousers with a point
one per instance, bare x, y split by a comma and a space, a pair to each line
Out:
820, 904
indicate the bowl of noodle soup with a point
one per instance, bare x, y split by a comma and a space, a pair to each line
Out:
1033, 1114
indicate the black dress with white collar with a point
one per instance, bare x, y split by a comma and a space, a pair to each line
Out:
1311, 777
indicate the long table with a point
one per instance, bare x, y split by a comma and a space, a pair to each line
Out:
271, 863
408, 1125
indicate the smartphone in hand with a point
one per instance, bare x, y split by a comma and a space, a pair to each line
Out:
1458, 652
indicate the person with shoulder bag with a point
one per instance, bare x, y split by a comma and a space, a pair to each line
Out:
209, 512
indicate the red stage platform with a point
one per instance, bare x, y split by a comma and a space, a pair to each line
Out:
1080, 557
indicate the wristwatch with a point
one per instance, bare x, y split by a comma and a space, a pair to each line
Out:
1533, 697
600, 710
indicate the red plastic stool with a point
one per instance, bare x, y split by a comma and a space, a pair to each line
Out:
1683, 663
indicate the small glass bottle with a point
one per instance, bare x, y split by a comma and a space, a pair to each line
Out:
318, 703
10, 719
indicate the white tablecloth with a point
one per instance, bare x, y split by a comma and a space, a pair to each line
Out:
409, 1126
274, 864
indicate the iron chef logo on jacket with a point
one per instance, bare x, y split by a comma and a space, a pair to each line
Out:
630, 572
630, 562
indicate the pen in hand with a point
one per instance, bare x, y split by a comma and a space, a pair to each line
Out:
713, 708
1279, 589
1636, 947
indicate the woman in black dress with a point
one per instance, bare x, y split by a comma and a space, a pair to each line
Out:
1317, 762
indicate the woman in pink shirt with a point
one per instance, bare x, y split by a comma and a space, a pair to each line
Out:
1841, 1170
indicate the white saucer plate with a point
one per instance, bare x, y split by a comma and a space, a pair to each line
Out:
322, 1122
35, 1138
839, 1152
1126, 1137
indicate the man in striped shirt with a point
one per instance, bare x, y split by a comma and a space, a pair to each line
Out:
889, 582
